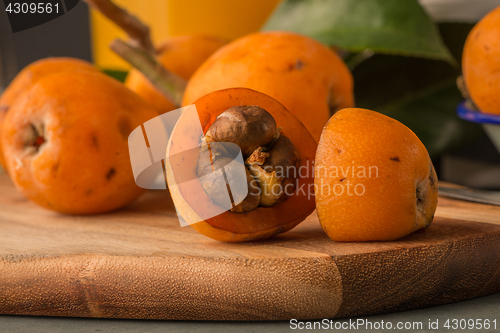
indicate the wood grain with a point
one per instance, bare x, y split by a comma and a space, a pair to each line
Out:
139, 263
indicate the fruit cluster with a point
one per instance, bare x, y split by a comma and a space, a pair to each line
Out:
284, 99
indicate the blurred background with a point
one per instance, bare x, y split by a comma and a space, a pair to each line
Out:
417, 89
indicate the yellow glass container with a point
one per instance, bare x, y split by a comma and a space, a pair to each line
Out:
226, 19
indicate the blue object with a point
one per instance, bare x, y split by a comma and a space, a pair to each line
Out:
465, 113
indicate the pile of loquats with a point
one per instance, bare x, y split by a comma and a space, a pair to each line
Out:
284, 99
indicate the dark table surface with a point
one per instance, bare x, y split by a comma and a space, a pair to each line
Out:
476, 309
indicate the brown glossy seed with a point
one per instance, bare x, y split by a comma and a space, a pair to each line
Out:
248, 126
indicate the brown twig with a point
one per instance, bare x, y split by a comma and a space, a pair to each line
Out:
170, 84
136, 30
141, 54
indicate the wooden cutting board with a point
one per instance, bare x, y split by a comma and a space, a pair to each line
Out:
139, 263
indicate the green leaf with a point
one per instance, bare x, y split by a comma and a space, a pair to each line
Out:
116, 74
385, 78
398, 27
430, 113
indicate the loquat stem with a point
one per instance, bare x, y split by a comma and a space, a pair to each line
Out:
168, 83
135, 29
465, 93
461, 86
141, 54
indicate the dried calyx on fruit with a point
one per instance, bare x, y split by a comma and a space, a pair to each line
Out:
271, 159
